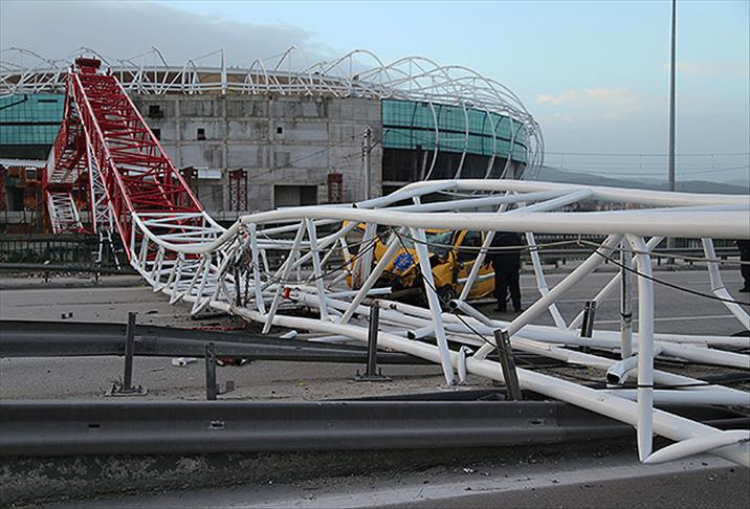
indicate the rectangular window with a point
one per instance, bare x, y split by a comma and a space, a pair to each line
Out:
293, 196
157, 133
154, 110
201, 134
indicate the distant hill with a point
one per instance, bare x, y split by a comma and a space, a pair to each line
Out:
550, 174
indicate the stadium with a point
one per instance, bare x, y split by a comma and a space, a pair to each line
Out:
280, 132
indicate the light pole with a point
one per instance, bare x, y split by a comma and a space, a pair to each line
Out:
366, 149
672, 73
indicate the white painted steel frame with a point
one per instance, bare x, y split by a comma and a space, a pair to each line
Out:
209, 266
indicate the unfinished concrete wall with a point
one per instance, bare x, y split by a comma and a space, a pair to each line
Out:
280, 141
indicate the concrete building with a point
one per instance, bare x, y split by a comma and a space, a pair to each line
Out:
286, 146
256, 138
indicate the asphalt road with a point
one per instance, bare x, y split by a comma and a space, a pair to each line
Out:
570, 480
56, 378
608, 480
43, 378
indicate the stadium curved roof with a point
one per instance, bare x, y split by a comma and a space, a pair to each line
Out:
411, 78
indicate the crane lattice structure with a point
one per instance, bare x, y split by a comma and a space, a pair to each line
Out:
105, 146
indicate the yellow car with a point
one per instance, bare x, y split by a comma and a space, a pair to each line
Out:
452, 254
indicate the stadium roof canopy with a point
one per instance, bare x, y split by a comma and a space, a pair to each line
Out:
359, 73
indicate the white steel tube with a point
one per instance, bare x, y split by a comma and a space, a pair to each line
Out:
434, 303
541, 281
645, 398
616, 279
284, 277
259, 302
317, 269
717, 285
390, 252
583, 270
557, 202
687, 397
666, 424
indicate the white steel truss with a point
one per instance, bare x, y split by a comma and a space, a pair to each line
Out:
63, 213
228, 270
190, 258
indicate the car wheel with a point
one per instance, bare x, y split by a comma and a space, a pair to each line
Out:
446, 294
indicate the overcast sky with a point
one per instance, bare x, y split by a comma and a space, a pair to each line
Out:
594, 74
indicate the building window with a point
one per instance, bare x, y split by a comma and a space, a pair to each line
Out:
201, 134
154, 110
157, 133
279, 130
292, 196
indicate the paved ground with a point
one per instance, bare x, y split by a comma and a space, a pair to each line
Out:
611, 480
90, 377
571, 480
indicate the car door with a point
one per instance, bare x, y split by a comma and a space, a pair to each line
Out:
467, 249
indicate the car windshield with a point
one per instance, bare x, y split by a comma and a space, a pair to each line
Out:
438, 243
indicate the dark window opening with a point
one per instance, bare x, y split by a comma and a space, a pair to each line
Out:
154, 110
157, 133
201, 134
279, 130
293, 196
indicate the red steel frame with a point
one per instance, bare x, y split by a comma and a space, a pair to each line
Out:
138, 176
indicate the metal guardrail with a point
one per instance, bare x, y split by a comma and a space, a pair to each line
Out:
581, 253
72, 268
76, 428
554, 255
56, 249
62, 428
74, 339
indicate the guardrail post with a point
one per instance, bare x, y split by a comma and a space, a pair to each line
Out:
127, 383
211, 389
126, 388
237, 292
508, 363
373, 373
587, 324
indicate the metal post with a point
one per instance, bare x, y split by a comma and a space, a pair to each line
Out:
127, 383
237, 290
626, 306
672, 73
126, 387
508, 363
587, 325
211, 388
366, 149
372, 374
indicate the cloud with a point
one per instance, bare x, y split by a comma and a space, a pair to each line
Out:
606, 102
124, 29
589, 97
711, 69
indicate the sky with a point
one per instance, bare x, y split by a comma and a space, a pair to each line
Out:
595, 75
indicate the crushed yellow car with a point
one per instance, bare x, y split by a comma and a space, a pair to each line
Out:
452, 254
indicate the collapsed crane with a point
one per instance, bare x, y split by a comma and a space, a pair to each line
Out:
107, 160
